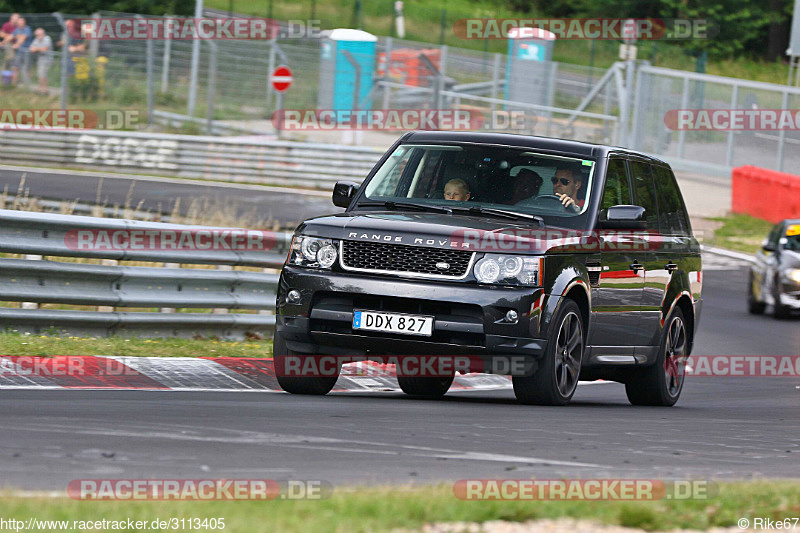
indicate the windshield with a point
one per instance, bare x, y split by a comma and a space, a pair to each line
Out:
511, 179
792, 239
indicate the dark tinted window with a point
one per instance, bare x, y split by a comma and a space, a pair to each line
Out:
617, 190
775, 234
645, 192
792, 237
673, 218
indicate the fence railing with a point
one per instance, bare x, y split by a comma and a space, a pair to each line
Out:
248, 160
114, 288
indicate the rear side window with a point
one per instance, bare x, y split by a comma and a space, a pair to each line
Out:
645, 192
617, 190
673, 219
775, 234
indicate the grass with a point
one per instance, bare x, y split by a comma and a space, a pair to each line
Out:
742, 233
388, 508
42, 345
23, 98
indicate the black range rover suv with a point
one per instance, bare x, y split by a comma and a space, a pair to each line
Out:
577, 259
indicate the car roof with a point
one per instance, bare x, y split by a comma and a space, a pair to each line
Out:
525, 141
790, 221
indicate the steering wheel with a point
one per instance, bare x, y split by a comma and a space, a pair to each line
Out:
543, 201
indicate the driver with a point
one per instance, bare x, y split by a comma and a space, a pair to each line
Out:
566, 183
526, 185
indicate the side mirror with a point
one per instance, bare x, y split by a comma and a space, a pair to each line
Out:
344, 192
769, 247
624, 217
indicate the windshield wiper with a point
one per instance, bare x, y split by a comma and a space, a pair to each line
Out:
407, 205
502, 213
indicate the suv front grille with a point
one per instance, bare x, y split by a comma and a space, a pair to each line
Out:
403, 259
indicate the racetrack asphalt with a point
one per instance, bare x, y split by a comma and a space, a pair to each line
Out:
722, 427
285, 205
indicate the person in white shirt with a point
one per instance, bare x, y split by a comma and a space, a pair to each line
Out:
42, 50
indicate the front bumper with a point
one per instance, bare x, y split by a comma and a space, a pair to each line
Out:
469, 318
790, 294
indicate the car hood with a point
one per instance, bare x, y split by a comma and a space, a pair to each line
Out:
440, 230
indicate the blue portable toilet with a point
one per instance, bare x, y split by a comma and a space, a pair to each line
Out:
339, 78
530, 65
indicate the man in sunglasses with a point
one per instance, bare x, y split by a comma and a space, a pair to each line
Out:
566, 183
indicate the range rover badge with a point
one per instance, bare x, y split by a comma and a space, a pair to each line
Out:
441, 265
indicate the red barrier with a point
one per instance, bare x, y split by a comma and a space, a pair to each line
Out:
765, 194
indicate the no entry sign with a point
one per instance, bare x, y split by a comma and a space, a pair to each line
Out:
281, 79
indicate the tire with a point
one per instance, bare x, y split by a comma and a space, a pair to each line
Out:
753, 305
556, 379
661, 384
425, 387
779, 311
317, 385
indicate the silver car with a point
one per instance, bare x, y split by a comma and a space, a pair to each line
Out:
775, 276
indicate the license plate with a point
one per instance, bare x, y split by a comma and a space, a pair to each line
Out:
393, 323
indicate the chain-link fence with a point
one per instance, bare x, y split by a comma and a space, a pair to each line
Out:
231, 91
662, 93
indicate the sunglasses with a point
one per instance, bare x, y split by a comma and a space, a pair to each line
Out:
564, 181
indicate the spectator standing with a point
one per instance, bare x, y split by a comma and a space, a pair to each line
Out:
22, 38
42, 50
77, 46
6, 40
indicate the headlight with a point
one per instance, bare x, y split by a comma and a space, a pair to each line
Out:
792, 274
509, 270
312, 252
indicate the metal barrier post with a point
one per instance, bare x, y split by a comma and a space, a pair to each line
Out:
270, 69
684, 104
198, 13
165, 65
212, 87
495, 77
637, 116
150, 81
441, 80
64, 60
729, 147
388, 55
630, 66
30, 305
782, 134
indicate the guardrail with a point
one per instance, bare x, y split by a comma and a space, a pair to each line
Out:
235, 159
35, 280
